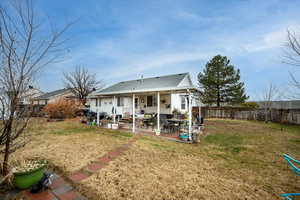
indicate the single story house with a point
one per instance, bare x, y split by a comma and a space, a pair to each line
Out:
29, 95
161, 95
53, 96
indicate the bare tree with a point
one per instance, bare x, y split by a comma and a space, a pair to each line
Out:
292, 51
26, 46
292, 55
82, 83
270, 94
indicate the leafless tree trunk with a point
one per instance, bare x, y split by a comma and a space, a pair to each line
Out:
270, 94
81, 83
26, 46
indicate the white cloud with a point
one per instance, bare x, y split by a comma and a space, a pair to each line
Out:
191, 16
135, 65
270, 40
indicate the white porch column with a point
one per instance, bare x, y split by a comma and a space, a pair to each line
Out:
115, 109
158, 114
190, 116
98, 117
133, 113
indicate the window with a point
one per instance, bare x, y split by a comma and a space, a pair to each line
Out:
120, 101
183, 103
98, 102
149, 101
136, 103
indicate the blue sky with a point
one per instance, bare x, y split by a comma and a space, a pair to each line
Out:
124, 39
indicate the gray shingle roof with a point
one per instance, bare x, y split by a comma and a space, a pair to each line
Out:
161, 82
48, 95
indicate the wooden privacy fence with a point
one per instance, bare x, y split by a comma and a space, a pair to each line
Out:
291, 116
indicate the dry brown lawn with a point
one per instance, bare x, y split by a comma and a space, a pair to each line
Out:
69, 145
235, 160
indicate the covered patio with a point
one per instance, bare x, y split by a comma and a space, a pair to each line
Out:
143, 114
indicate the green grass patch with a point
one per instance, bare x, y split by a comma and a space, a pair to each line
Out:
120, 134
284, 128
224, 142
297, 141
75, 130
224, 139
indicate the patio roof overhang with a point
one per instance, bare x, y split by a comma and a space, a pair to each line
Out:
134, 91
190, 90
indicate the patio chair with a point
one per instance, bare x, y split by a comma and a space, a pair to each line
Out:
167, 126
291, 161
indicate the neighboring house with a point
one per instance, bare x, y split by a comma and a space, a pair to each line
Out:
53, 96
29, 95
142, 96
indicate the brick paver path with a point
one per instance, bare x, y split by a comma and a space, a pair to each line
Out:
61, 189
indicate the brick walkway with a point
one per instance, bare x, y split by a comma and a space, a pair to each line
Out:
61, 189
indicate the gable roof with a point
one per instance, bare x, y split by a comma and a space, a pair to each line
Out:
48, 95
169, 82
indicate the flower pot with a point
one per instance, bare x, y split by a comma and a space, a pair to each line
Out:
114, 126
24, 180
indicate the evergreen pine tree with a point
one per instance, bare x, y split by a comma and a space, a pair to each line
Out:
220, 83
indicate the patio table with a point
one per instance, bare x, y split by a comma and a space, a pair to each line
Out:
176, 123
177, 120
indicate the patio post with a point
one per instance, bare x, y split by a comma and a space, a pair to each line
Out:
115, 109
98, 117
190, 116
133, 113
158, 114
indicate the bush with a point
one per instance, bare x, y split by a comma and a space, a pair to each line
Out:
61, 109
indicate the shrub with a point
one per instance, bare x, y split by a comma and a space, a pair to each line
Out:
61, 109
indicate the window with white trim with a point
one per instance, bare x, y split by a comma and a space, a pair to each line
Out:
98, 102
149, 101
120, 101
183, 103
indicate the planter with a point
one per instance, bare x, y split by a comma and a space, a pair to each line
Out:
115, 126
24, 180
184, 136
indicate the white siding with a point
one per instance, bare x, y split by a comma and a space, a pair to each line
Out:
186, 81
167, 104
106, 105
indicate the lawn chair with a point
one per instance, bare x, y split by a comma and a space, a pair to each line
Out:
289, 196
291, 161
